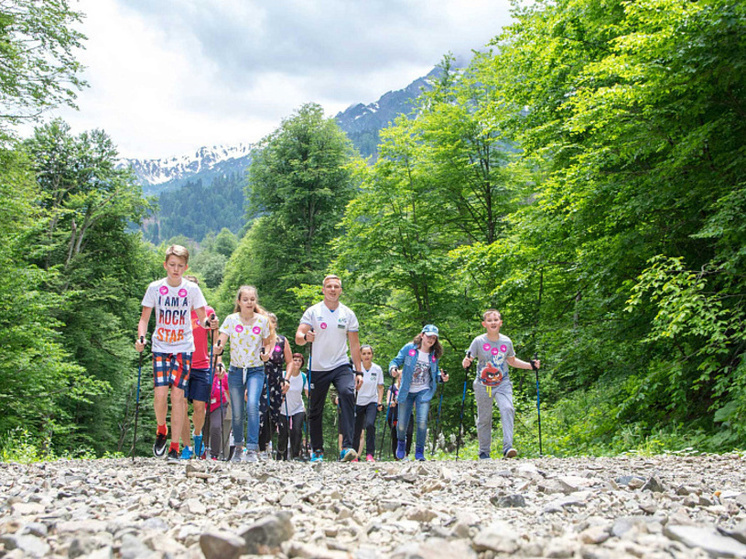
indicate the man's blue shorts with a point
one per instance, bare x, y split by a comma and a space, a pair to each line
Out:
198, 387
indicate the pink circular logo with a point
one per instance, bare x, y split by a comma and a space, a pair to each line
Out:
504, 348
412, 352
323, 325
256, 329
495, 351
182, 292
486, 347
163, 290
433, 358
239, 328
278, 349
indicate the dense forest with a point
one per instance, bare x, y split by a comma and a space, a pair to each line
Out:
197, 209
585, 174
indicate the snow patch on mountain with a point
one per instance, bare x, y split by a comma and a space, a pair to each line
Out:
154, 172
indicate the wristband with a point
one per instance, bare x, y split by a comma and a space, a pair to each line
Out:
360, 373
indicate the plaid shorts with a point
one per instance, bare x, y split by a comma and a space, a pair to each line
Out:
172, 369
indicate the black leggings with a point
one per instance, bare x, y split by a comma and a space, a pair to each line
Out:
365, 418
295, 435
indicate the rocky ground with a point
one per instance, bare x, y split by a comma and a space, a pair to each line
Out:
667, 506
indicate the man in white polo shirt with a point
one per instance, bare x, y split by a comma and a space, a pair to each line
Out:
329, 326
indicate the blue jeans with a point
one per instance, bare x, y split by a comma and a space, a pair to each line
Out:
250, 383
405, 410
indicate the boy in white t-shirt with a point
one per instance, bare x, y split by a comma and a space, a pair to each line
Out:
494, 352
173, 297
369, 403
329, 326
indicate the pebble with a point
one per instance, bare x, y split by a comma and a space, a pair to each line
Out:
605, 508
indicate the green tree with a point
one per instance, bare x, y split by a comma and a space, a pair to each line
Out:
299, 184
37, 49
96, 264
633, 114
37, 375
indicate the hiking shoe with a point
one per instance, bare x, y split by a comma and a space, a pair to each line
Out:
173, 457
186, 453
159, 447
401, 449
419, 453
484, 456
317, 456
369, 458
250, 456
347, 455
511, 453
199, 450
237, 454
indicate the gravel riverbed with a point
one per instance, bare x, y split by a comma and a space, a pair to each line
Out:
626, 506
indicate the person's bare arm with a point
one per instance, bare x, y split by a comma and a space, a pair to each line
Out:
142, 328
519, 364
304, 335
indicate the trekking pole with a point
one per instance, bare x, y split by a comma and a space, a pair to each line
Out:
288, 428
385, 424
222, 414
538, 398
437, 420
463, 399
309, 450
204, 451
266, 416
137, 399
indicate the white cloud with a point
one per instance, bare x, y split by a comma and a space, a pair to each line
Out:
170, 76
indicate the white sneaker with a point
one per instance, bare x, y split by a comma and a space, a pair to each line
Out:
237, 454
250, 456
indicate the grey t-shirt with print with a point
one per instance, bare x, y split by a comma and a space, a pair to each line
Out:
491, 356
421, 374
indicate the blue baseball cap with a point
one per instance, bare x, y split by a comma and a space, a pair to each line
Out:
430, 330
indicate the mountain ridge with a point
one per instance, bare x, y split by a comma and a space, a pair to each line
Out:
361, 122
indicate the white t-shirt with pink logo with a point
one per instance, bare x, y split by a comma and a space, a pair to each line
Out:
245, 340
173, 307
331, 328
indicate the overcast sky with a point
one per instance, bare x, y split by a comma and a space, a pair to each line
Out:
169, 76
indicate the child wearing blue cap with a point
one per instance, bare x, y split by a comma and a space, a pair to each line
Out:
417, 363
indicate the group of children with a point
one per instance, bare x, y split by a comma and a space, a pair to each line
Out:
263, 384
